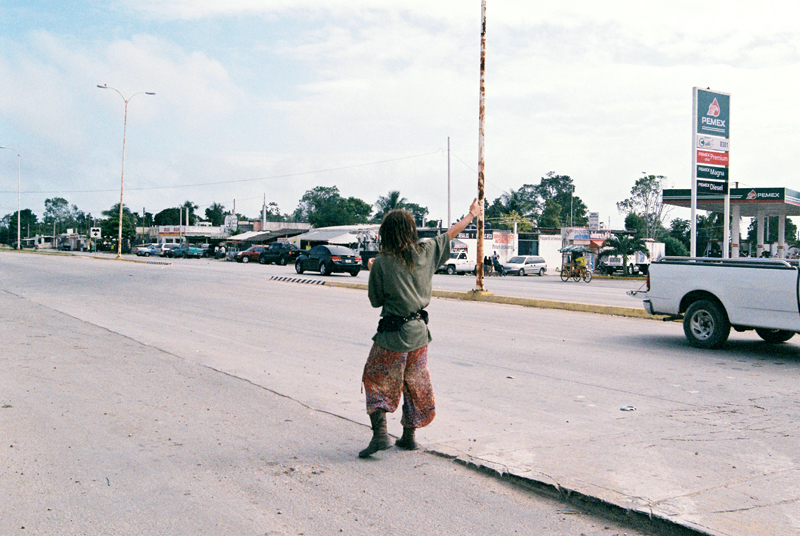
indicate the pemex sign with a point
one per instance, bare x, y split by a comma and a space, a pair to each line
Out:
711, 129
713, 113
711, 150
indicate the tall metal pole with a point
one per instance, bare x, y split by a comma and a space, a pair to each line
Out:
19, 173
693, 223
449, 219
482, 121
122, 179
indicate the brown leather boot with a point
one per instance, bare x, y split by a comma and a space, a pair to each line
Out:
380, 437
407, 442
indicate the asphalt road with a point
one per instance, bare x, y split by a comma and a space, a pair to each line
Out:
537, 393
142, 399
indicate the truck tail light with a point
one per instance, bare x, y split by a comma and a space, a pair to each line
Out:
358, 260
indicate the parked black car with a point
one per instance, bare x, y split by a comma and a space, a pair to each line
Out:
329, 259
280, 253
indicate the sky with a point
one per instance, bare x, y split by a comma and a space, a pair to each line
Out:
267, 99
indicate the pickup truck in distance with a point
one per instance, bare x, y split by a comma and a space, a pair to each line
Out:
281, 253
458, 263
186, 251
715, 295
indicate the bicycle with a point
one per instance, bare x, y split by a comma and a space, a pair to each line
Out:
576, 273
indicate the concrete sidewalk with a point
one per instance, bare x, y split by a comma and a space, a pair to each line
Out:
106, 435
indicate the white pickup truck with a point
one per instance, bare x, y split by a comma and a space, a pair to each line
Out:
715, 295
458, 263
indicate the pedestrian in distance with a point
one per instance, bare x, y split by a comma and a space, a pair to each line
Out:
497, 266
400, 282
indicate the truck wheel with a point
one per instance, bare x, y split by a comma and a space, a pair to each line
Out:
282, 261
298, 267
522, 272
774, 336
451, 270
541, 272
706, 325
262, 260
245, 259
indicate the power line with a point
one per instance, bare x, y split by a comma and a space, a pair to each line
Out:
235, 181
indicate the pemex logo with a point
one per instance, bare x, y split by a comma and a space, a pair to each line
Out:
751, 195
713, 109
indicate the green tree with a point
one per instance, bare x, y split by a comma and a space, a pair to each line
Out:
560, 188
324, 207
536, 202
168, 216
507, 221
216, 214
710, 234
58, 211
551, 215
646, 201
394, 201
771, 225
680, 229
524, 202
636, 224
625, 245
190, 207
273, 212
110, 226
8, 225
388, 203
674, 247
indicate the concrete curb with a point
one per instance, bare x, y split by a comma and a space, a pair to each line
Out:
637, 518
631, 312
139, 261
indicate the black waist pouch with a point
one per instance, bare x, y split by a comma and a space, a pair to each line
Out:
394, 323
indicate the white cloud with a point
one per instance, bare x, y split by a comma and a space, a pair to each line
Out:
595, 90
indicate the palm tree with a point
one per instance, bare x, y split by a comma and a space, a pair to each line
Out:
385, 204
625, 245
189, 208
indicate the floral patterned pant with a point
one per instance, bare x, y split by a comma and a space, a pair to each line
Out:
387, 374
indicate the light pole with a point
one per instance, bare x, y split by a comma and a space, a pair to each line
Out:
19, 170
122, 180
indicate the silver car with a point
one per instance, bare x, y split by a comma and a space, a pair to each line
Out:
525, 265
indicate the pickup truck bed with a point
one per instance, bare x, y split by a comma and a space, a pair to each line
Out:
716, 294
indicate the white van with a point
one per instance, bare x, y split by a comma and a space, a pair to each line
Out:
163, 248
525, 265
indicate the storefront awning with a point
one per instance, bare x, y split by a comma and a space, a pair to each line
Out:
573, 249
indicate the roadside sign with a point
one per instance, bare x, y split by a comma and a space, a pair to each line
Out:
713, 143
712, 157
712, 172
711, 188
711, 124
95, 232
713, 113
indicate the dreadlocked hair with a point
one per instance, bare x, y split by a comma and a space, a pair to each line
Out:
398, 234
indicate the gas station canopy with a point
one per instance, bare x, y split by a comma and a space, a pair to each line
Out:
750, 201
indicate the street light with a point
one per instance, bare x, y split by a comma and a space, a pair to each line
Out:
122, 180
19, 169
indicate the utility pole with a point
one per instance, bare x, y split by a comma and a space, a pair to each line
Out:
449, 218
482, 115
